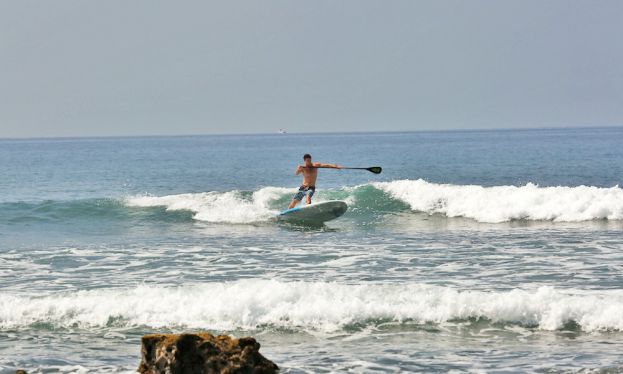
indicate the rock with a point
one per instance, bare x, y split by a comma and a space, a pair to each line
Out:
202, 353
20, 372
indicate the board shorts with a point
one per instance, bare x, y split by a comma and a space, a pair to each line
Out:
304, 190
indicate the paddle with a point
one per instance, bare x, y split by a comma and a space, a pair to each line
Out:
372, 169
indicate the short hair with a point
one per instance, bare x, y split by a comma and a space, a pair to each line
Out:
306, 156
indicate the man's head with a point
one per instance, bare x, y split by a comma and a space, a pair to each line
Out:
307, 159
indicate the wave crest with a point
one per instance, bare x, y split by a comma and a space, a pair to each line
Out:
326, 307
505, 203
483, 204
225, 207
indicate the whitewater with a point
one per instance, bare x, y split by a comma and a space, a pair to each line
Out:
493, 204
324, 307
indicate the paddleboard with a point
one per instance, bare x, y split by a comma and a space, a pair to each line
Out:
316, 213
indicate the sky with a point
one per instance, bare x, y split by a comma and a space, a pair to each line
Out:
146, 67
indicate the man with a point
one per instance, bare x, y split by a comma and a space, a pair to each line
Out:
310, 174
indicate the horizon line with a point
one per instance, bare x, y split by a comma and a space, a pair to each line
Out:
277, 133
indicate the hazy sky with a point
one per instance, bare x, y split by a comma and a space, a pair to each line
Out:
82, 68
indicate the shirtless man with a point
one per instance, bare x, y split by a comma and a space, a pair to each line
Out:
310, 174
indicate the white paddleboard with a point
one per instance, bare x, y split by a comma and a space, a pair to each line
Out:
316, 213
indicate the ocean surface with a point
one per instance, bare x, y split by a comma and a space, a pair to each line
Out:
473, 251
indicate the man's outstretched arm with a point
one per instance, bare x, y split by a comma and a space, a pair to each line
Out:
327, 166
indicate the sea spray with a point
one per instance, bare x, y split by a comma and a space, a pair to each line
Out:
225, 207
506, 203
311, 306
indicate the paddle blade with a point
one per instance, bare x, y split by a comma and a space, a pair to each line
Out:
375, 169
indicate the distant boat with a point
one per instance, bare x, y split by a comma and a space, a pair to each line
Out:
282, 131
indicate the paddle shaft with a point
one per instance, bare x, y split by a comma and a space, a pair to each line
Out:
372, 169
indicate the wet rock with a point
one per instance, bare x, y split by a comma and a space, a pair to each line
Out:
202, 353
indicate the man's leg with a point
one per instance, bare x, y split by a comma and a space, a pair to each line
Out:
298, 197
310, 193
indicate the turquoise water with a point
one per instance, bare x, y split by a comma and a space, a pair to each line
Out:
472, 251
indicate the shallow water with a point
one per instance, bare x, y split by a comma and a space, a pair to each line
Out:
472, 251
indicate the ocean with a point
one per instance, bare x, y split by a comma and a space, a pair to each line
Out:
473, 251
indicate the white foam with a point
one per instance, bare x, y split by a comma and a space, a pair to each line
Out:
505, 203
327, 307
226, 207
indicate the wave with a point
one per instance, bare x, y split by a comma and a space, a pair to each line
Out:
51, 210
326, 307
76, 211
225, 207
506, 203
483, 204
263, 204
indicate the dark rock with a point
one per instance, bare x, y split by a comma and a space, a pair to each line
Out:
202, 353
20, 372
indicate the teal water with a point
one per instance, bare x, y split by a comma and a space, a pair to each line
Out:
472, 251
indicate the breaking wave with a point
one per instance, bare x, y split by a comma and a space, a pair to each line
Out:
483, 204
506, 203
325, 307
226, 207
